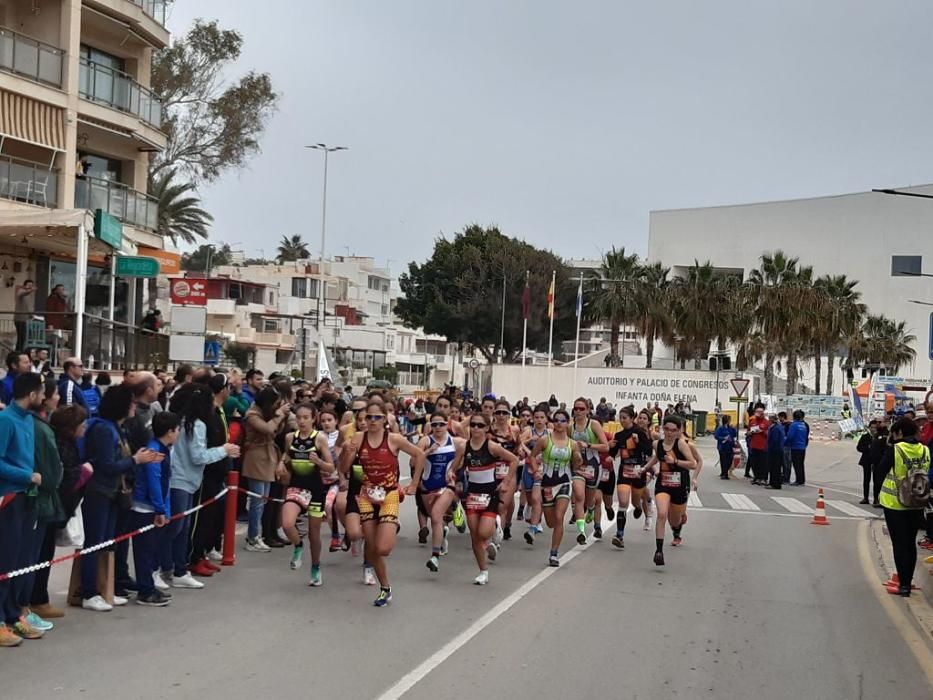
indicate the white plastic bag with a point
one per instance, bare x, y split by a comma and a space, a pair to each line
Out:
72, 535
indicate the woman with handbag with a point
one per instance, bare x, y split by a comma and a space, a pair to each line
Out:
108, 452
264, 419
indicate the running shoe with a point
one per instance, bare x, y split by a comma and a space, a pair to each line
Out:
581, 538
529, 536
384, 598
637, 513
369, 576
598, 532
445, 545
295, 563
507, 532
257, 545
25, 630
97, 604
214, 555
433, 564
521, 513
538, 529
152, 600
335, 543
610, 513
677, 541
8, 638
482, 579
491, 550
902, 591
647, 523
459, 518
38, 622
423, 535
618, 542
316, 578
553, 561
659, 558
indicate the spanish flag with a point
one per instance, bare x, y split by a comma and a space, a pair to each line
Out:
550, 298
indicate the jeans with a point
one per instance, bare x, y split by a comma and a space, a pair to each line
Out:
40, 588
33, 543
903, 526
787, 464
14, 522
725, 462
99, 514
758, 462
173, 540
797, 457
256, 506
775, 469
145, 550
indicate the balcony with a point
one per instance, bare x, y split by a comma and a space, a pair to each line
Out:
115, 198
30, 58
153, 8
221, 307
28, 182
119, 91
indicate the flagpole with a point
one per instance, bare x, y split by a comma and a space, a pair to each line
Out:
576, 349
525, 325
550, 339
502, 326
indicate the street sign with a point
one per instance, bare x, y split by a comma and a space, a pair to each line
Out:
211, 352
189, 291
740, 386
137, 266
738, 399
108, 228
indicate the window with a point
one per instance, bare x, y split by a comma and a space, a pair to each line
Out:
390, 342
304, 288
271, 325
385, 309
378, 284
906, 265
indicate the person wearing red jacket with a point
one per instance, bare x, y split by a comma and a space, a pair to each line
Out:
757, 433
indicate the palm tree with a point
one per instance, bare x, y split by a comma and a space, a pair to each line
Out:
698, 312
774, 305
181, 217
882, 342
615, 301
292, 248
652, 310
843, 317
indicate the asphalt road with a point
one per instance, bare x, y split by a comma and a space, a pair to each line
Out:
757, 603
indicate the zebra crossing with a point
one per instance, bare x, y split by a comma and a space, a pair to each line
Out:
716, 501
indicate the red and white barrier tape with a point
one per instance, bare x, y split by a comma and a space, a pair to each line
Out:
108, 543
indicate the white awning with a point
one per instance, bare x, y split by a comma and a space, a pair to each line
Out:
53, 230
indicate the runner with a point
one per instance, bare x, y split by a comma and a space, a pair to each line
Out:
531, 483
436, 493
378, 500
482, 457
591, 440
306, 460
633, 448
328, 422
643, 421
350, 483
507, 435
524, 423
674, 461
553, 458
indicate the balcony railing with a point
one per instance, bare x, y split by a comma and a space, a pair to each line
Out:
25, 181
128, 205
109, 86
30, 58
153, 8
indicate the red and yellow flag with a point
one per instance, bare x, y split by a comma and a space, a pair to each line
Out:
550, 299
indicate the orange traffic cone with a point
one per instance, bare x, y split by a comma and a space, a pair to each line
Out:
819, 518
895, 581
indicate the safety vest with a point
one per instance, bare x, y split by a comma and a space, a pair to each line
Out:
908, 457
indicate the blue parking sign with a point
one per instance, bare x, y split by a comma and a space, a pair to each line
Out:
211, 352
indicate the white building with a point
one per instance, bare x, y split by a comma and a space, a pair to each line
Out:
868, 236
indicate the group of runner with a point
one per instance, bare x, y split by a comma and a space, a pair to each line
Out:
467, 464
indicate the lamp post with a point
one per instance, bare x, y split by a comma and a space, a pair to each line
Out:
327, 151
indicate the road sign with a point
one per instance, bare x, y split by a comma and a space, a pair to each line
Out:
738, 399
211, 352
189, 291
108, 228
137, 266
740, 386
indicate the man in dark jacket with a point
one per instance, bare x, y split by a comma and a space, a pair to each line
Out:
775, 442
69, 388
16, 363
879, 446
864, 449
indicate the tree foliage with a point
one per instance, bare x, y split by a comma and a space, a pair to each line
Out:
180, 217
198, 259
212, 124
292, 248
457, 292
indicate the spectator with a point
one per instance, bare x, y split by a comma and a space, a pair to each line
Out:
757, 434
103, 381
776, 439
237, 403
16, 363
798, 439
25, 306
602, 410
725, 436
69, 388
864, 449
785, 423
879, 445
261, 456
56, 309
91, 394
138, 429
552, 402
41, 364
152, 321
255, 380
111, 459
18, 486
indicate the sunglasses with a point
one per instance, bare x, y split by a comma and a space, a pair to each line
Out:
374, 417
478, 426
438, 424
580, 408
501, 413
560, 420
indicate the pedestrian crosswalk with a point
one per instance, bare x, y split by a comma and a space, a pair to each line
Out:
762, 503
739, 501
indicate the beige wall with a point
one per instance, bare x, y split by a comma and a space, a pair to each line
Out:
42, 25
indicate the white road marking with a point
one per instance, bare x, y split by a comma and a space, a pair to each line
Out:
694, 501
779, 515
793, 505
738, 501
848, 508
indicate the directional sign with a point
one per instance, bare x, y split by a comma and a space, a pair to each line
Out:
740, 386
137, 266
189, 291
211, 352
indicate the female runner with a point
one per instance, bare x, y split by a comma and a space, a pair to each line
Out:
509, 436
531, 482
591, 440
643, 421
348, 509
633, 447
437, 493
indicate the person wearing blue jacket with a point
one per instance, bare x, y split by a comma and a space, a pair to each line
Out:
17, 363
69, 387
776, 439
152, 506
798, 438
725, 436
108, 452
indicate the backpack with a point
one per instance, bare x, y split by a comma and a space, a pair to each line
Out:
91, 396
913, 491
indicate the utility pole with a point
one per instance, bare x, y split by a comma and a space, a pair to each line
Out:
327, 151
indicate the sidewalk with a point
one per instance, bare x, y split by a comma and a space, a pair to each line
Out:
920, 603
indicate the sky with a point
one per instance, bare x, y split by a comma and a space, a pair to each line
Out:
564, 123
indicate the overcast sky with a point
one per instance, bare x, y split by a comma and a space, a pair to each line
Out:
565, 123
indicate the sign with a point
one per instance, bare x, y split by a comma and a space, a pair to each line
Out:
738, 399
323, 367
189, 291
136, 266
740, 386
169, 262
108, 229
185, 348
211, 352
189, 319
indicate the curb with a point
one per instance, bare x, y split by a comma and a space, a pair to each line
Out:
920, 603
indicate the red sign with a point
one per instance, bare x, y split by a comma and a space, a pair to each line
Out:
189, 291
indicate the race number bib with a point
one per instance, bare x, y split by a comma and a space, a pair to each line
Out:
605, 475
376, 494
670, 479
630, 471
589, 471
502, 470
478, 501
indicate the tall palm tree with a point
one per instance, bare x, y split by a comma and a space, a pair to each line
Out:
652, 310
292, 248
843, 317
769, 284
181, 217
615, 301
882, 342
698, 312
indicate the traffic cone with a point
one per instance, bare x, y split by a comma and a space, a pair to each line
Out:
819, 518
895, 581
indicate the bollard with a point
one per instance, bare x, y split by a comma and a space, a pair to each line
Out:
229, 553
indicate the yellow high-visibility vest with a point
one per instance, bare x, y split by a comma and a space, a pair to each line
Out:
908, 456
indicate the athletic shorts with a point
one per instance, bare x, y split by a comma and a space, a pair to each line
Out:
528, 478
309, 501
380, 506
590, 475
636, 483
678, 492
550, 494
482, 499
419, 498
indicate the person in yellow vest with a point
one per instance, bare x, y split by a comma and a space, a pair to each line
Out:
906, 454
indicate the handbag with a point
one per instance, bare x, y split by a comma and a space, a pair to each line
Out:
72, 534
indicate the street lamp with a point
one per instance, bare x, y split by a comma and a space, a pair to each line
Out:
327, 151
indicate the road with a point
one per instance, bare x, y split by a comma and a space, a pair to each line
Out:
757, 603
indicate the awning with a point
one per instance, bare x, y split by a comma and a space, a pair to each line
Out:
29, 120
53, 231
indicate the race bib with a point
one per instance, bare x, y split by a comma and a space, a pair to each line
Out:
605, 475
589, 471
376, 494
502, 470
670, 479
630, 471
478, 500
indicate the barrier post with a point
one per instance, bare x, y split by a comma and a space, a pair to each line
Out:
229, 553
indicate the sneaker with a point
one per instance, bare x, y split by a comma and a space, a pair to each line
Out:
491, 550
186, 581
9, 638
581, 538
38, 623
152, 600
355, 547
521, 513
902, 591
316, 578
200, 568
659, 558
553, 561
295, 563
598, 533
335, 544
159, 581
25, 630
47, 611
610, 513
433, 564
507, 532
482, 579
618, 542
529, 537
863, 502
445, 545
97, 604
214, 555
369, 576
637, 513
648, 523
538, 529
257, 545
677, 541
459, 518
384, 598
423, 535
119, 601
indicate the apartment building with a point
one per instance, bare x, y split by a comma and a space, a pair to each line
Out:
78, 124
